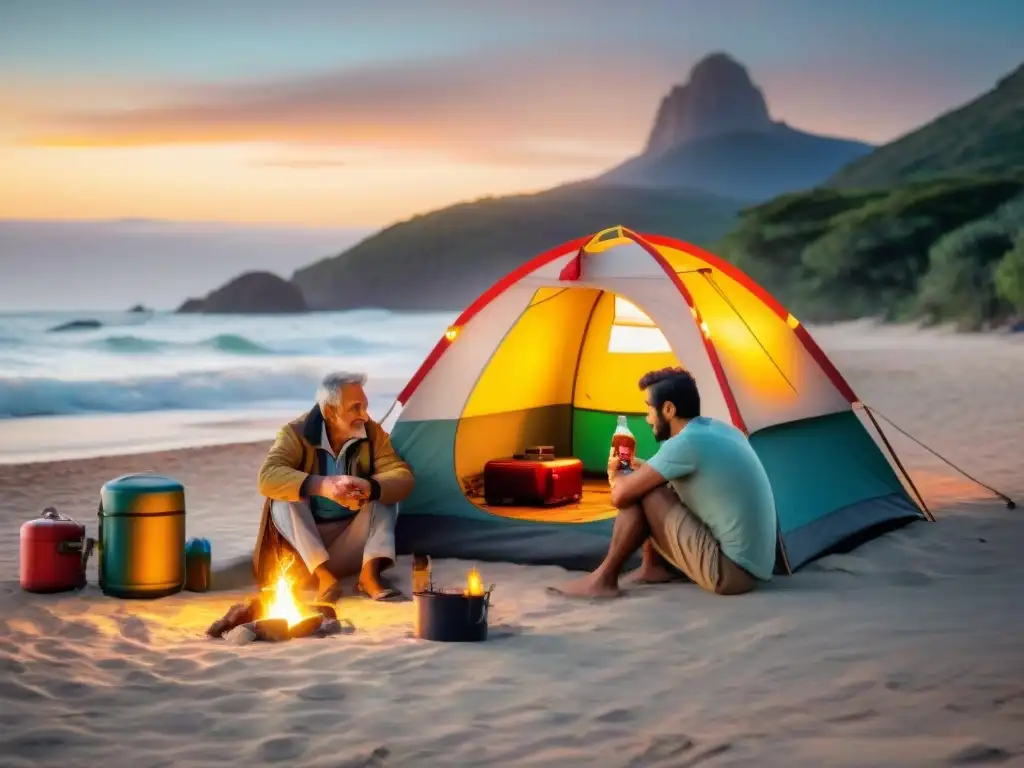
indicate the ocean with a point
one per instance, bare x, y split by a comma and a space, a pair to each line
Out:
167, 369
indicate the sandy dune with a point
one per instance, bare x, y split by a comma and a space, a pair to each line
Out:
908, 651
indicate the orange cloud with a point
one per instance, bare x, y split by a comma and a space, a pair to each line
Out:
490, 107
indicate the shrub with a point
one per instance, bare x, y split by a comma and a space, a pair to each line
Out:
960, 283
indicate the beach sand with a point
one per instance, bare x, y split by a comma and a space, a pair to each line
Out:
907, 651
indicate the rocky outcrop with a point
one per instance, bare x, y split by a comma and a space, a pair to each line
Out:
253, 293
719, 98
715, 134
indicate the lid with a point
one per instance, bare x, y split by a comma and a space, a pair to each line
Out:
197, 546
145, 493
52, 526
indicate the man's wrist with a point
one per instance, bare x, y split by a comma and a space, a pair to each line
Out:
312, 485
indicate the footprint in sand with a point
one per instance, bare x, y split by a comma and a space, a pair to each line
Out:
322, 692
979, 754
615, 716
133, 628
282, 748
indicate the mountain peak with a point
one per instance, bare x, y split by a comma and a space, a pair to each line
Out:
719, 98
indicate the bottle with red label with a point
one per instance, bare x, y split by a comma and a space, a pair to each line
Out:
623, 445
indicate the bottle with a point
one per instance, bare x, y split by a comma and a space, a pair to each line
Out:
197, 565
420, 573
624, 444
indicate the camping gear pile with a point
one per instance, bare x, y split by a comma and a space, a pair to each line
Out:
140, 543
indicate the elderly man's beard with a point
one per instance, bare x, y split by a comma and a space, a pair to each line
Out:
357, 432
662, 429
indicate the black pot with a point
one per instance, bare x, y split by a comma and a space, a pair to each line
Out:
451, 617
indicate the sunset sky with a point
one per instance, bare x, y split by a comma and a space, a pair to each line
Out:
347, 114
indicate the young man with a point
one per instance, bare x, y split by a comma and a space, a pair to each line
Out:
702, 503
332, 484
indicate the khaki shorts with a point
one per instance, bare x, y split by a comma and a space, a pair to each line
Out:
690, 547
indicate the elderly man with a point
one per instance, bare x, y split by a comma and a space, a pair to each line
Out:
332, 483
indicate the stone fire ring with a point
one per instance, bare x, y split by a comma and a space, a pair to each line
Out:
242, 624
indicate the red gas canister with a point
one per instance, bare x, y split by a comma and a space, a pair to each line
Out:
54, 553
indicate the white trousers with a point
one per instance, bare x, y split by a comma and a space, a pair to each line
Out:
374, 525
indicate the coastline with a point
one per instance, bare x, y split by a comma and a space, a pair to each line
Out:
905, 651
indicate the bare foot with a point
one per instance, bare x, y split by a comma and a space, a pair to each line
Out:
589, 586
648, 574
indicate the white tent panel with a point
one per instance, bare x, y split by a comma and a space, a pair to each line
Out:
445, 389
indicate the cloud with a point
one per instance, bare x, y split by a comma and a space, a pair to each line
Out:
488, 105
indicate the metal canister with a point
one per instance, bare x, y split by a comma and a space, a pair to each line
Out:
142, 536
197, 565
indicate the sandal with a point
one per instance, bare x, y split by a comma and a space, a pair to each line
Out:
384, 595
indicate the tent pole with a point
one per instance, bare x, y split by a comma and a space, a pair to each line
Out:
927, 512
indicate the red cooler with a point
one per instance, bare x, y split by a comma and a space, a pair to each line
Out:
54, 553
533, 482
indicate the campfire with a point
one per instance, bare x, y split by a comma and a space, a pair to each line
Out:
278, 614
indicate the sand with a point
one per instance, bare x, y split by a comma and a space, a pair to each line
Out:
907, 651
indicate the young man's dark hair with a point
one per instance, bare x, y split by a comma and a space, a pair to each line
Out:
676, 386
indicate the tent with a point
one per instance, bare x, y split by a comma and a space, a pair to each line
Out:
552, 353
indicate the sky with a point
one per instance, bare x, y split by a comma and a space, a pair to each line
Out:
357, 114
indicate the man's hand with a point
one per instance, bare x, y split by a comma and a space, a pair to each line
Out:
347, 490
614, 468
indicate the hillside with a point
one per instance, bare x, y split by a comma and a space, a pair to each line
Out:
715, 133
929, 227
985, 135
445, 259
712, 144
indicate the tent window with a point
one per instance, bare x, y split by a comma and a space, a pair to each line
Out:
634, 332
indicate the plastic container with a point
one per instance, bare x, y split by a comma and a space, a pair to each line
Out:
54, 552
623, 443
197, 565
450, 617
142, 536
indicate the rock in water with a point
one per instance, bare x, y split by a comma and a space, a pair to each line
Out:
253, 293
76, 325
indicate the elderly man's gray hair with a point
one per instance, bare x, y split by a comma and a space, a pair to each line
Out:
329, 391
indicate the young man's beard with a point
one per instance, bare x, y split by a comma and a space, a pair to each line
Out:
662, 429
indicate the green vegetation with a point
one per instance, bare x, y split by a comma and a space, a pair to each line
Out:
981, 137
445, 259
929, 227
948, 250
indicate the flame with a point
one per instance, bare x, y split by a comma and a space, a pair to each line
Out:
474, 584
280, 601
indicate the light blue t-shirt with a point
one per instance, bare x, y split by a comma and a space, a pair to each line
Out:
716, 473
